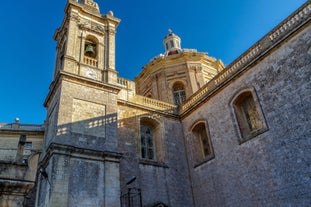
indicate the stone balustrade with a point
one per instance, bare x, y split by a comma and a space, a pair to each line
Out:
195, 98
288, 26
122, 81
17, 126
153, 104
291, 22
90, 61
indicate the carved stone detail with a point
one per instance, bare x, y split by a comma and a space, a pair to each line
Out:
75, 18
196, 68
112, 32
90, 5
91, 26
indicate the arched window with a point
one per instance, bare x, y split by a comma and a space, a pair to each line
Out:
202, 143
179, 93
200, 132
248, 115
151, 147
147, 142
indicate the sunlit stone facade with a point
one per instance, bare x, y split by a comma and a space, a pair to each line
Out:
187, 131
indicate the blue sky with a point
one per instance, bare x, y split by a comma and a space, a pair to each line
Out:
223, 29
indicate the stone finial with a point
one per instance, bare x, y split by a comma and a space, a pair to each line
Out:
110, 13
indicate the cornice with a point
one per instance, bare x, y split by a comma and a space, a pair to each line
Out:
65, 76
183, 58
83, 153
22, 132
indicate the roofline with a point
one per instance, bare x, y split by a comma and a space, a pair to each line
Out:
297, 21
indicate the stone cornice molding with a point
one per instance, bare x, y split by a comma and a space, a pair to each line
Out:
90, 154
62, 75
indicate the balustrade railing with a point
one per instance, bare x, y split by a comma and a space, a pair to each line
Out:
122, 81
90, 61
153, 103
291, 22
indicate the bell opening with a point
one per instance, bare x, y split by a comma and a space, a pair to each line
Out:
90, 50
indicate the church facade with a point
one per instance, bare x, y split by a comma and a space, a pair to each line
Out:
188, 131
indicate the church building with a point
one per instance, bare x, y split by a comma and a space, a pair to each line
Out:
188, 131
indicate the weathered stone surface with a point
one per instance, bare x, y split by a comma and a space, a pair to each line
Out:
94, 150
270, 169
19, 163
164, 180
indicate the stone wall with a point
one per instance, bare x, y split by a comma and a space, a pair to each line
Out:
86, 117
165, 179
20, 148
272, 169
9, 146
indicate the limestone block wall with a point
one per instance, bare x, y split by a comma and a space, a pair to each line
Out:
80, 178
165, 179
127, 89
20, 148
9, 146
18, 179
86, 118
273, 168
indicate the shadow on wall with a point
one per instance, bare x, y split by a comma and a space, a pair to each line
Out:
98, 133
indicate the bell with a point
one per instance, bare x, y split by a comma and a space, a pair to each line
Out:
90, 49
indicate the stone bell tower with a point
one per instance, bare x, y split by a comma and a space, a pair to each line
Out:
80, 161
86, 42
